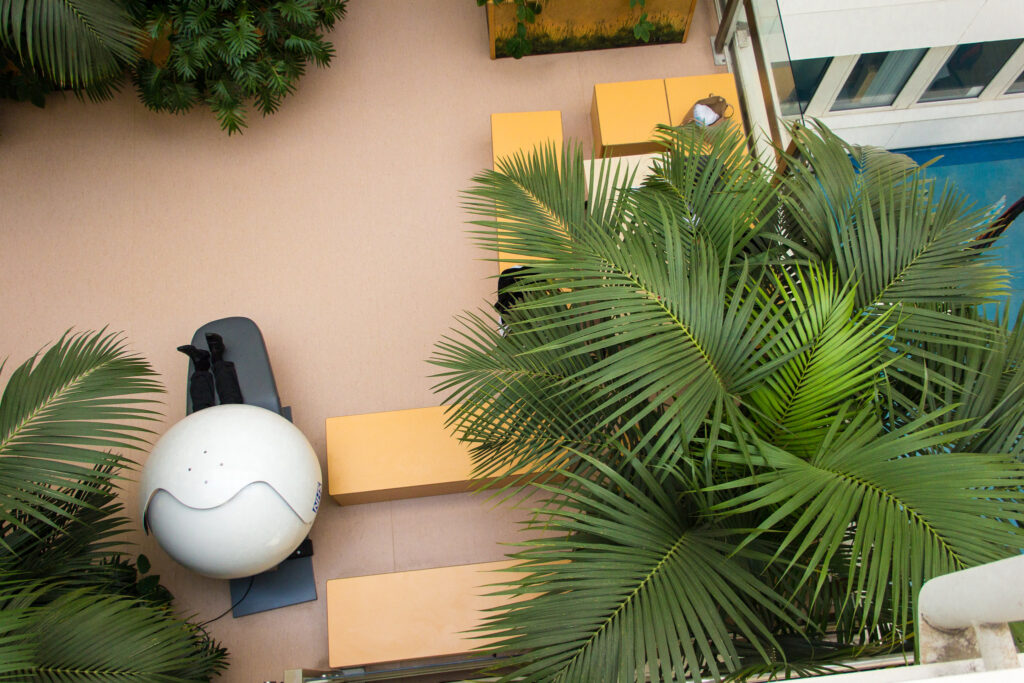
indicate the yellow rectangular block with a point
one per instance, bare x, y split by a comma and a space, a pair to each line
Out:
523, 131
683, 93
393, 455
624, 116
408, 615
516, 132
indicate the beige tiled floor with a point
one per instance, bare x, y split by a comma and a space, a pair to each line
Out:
334, 224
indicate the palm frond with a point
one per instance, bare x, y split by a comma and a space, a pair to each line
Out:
886, 226
987, 385
16, 649
76, 43
76, 546
59, 414
708, 178
511, 406
670, 329
83, 635
630, 585
918, 510
833, 359
541, 199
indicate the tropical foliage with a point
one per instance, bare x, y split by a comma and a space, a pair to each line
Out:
79, 45
73, 606
229, 53
771, 401
226, 54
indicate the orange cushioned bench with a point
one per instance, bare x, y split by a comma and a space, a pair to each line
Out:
408, 615
522, 131
393, 455
625, 115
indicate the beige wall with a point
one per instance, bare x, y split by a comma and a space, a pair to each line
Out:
335, 224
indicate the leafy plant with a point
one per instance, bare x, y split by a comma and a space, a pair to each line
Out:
227, 54
73, 607
230, 53
771, 403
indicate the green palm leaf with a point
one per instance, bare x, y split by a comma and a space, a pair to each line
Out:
510, 405
988, 387
16, 649
917, 509
833, 359
76, 43
715, 187
76, 546
631, 585
59, 415
541, 199
83, 635
886, 226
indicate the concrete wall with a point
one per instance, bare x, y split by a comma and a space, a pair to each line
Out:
845, 27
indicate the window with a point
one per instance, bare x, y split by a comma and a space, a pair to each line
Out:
969, 69
796, 82
1017, 85
877, 79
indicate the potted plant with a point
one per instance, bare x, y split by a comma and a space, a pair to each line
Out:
517, 28
772, 403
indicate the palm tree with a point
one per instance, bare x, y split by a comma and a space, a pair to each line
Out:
78, 45
72, 606
771, 403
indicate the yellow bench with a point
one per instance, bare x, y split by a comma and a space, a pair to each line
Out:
523, 131
624, 115
393, 455
408, 615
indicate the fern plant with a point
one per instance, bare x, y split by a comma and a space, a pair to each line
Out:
230, 54
73, 606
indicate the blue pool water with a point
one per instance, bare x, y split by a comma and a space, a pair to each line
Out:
989, 172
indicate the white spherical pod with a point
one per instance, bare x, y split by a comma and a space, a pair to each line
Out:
230, 491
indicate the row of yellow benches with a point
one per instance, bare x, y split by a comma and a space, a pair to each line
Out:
623, 115
408, 453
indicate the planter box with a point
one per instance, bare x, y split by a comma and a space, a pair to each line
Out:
575, 25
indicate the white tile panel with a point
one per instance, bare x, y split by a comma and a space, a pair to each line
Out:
845, 27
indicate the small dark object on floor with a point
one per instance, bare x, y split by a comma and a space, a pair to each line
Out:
507, 299
223, 371
201, 383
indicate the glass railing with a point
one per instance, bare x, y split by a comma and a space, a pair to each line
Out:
793, 82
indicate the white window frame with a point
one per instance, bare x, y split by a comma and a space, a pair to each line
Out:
934, 59
1005, 77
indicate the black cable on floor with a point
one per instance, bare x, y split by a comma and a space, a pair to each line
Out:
237, 602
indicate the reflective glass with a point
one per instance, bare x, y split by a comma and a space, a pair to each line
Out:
1017, 85
877, 79
969, 69
796, 82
